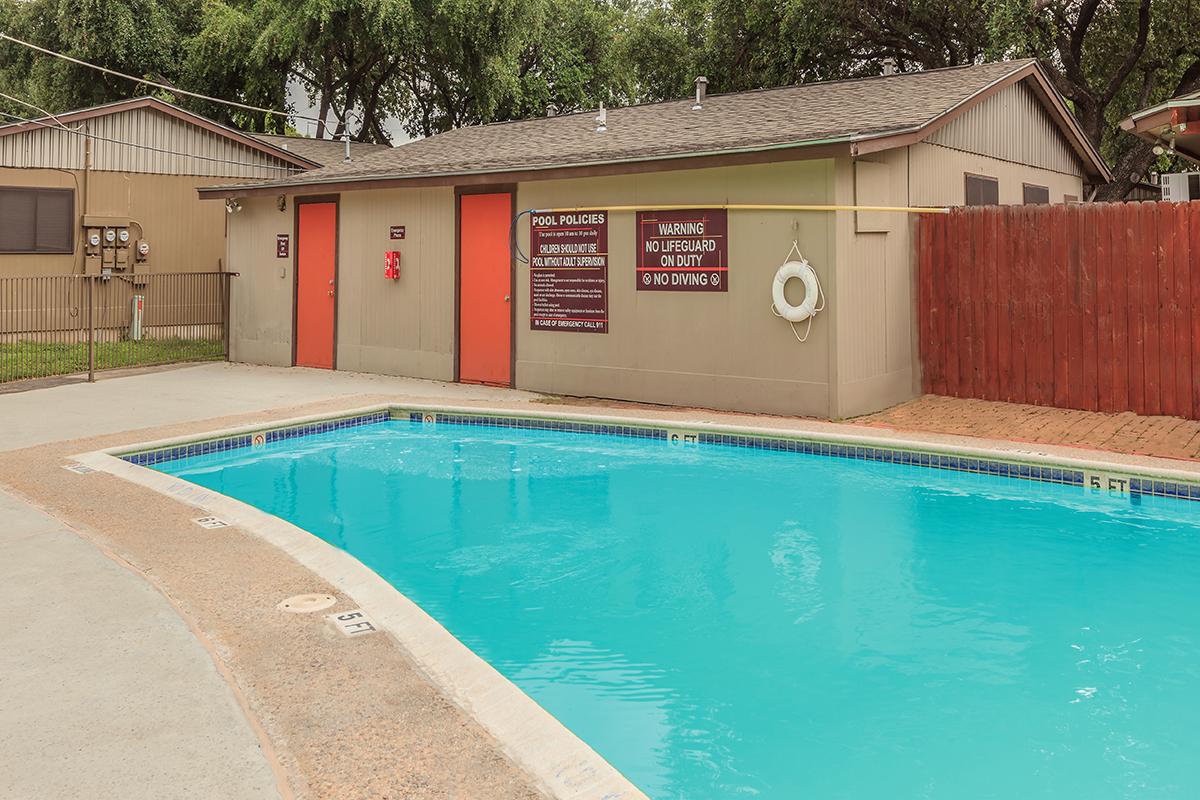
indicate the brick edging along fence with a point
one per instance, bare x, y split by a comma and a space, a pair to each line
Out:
1088, 306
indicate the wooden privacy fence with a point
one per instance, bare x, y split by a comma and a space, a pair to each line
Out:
1093, 306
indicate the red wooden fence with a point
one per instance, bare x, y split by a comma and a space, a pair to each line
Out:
1077, 306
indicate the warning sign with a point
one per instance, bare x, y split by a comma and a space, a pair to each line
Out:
683, 251
568, 271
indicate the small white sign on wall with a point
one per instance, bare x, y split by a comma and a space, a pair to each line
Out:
352, 623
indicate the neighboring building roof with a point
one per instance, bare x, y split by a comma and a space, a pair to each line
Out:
145, 134
851, 116
322, 151
1174, 123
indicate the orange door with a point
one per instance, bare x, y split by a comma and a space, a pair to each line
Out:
316, 290
485, 288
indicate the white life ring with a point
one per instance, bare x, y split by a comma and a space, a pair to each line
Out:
812, 291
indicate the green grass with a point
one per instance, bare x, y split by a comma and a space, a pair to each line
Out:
26, 359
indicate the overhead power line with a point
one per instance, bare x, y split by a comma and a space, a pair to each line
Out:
163, 86
77, 132
38, 109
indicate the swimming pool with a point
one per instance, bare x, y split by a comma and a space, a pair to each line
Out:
720, 621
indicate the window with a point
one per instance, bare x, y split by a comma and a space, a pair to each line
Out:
1033, 194
982, 190
37, 220
1070, 198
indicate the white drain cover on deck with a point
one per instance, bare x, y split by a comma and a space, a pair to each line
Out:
307, 603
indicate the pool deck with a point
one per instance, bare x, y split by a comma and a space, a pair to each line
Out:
280, 705
1160, 437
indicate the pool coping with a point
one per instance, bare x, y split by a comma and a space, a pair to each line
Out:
873, 446
560, 762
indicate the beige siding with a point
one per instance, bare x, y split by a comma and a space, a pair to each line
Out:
874, 315
185, 233
261, 295
43, 264
724, 350
402, 327
937, 177
721, 350
207, 154
1011, 125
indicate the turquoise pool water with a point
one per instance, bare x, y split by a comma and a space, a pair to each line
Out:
721, 622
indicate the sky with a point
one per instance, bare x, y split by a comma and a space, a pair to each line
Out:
299, 101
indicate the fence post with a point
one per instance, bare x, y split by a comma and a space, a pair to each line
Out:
225, 315
91, 329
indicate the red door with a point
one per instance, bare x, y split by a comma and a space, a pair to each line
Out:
485, 289
316, 291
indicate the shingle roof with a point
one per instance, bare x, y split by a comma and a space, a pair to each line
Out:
322, 151
794, 116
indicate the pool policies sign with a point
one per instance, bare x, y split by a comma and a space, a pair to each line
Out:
683, 251
568, 271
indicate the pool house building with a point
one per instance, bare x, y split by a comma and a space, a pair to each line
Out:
645, 253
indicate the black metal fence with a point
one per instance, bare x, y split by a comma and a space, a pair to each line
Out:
66, 324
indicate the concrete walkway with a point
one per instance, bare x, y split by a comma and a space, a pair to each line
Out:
104, 690
169, 397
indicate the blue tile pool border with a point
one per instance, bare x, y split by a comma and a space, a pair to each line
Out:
1042, 473
148, 458
547, 424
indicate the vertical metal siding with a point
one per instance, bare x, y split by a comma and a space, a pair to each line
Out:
1011, 125
937, 177
50, 148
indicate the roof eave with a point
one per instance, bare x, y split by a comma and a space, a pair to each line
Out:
1149, 127
858, 143
135, 103
1079, 141
275, 187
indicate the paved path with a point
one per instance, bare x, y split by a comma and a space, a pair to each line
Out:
105, 691
1164, 437
79, 410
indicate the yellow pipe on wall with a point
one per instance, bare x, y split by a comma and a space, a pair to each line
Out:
745, 207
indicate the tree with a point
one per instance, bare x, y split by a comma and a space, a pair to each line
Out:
138, 38
344, 53
441, 64
220, 60
1108, 59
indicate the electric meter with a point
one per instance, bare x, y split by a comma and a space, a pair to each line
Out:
110, 235
94, 240
123, 235
143, 248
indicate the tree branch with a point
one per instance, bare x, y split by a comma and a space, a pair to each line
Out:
1132, 58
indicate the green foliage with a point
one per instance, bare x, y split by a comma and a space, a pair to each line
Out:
440, 64
220, 60
139, 38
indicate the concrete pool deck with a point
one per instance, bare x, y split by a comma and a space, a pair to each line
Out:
98, 666
339, 717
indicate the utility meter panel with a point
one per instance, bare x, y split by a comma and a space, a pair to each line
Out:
109, 246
